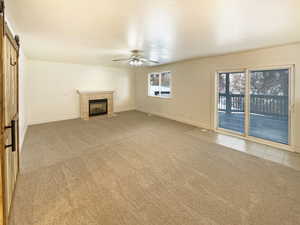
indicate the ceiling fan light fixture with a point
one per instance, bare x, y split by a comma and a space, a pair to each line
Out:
136, 59
135, 62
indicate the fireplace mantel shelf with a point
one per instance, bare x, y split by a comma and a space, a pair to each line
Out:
86, 96
94, 92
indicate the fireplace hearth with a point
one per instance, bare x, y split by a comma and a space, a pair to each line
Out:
97, 107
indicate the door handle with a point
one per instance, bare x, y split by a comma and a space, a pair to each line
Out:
13, 136
12, 63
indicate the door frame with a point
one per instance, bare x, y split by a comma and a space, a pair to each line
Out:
291, 67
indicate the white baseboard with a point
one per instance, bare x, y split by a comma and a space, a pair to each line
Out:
71, 117
37, 122
125, 110
297, 149
179, 119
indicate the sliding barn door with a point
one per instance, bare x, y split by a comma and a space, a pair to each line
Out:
10, 149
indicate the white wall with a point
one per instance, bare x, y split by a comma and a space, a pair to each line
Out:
23, 124
193, 84
51, 88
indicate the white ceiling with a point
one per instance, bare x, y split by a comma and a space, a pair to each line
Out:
95, 31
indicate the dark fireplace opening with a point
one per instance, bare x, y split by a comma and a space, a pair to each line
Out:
97, 107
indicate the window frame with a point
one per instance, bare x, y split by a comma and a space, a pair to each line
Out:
160, 75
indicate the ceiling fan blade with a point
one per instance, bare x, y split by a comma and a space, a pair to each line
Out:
148, 60
118, 60
152, 61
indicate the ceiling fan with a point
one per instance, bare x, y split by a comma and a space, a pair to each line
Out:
136, 59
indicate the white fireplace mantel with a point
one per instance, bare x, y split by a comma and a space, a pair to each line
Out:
85, 96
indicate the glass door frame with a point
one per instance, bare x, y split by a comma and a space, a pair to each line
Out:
245, 135
216, 116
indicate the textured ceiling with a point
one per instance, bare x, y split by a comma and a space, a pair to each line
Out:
95, 31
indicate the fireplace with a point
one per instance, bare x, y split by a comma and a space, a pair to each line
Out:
89, 98
97, 107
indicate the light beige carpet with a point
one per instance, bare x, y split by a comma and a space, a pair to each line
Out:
140, 170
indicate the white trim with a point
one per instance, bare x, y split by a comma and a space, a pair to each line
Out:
247, 102
251, 67
272, 67
292, 106
178, 119
236, 70
161, 97
216, 102
235, 133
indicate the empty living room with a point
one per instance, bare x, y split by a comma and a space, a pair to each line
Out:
150, 112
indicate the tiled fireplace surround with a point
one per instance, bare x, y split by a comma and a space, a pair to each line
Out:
85, 96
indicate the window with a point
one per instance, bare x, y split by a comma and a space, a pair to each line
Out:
160, 84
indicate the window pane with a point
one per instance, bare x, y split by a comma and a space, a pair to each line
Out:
222, 83
237, 83
269, 105
231, 104
154, 88
166, 84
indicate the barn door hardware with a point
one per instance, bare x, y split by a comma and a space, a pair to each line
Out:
12, 63
13, 135
17, 39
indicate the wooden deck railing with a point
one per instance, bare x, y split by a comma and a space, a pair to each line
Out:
260, 104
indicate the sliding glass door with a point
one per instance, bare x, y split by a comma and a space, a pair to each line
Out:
255, 103
269, 105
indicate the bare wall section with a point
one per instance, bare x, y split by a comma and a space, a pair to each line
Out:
51, 88
23, 123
